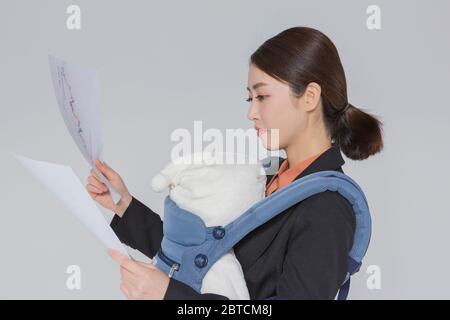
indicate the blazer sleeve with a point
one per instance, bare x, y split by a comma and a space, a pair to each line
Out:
140, 228
316, 260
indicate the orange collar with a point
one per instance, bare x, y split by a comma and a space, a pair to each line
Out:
284, 176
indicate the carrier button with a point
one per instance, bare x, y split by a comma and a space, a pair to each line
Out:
201, 260
219, 232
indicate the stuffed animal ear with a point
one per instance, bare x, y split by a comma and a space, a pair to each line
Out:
165, 178
169, 176
160, 182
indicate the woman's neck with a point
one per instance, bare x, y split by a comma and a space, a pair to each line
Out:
306, 146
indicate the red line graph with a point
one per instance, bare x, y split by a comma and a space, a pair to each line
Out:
68, 97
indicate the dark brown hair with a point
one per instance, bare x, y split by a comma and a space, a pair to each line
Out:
301, 55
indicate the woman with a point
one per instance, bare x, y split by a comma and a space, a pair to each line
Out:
297, 85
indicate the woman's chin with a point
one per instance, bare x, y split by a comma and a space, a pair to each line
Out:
266, 143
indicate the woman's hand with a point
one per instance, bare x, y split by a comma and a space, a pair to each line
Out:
100, 193
140, 280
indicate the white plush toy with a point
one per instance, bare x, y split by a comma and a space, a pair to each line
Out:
218, 192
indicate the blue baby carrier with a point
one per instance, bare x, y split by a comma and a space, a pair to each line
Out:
189, 248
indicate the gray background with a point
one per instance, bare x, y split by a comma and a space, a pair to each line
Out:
164, 64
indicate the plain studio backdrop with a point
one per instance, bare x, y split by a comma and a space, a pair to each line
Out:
165, 64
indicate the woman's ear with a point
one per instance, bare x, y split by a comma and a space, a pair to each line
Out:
312, 96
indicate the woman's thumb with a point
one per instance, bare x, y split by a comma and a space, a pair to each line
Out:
105, 169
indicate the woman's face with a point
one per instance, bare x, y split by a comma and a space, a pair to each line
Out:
277, 115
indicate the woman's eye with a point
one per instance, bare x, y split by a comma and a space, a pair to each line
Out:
259, 98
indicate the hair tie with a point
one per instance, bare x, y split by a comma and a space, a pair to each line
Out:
343, 111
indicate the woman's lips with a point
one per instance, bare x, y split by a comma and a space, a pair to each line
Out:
260, 131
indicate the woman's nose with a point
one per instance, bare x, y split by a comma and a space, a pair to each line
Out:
252, 113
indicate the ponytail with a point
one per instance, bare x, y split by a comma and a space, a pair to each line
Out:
358, 134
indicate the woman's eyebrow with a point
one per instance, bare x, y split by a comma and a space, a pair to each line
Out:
257, 85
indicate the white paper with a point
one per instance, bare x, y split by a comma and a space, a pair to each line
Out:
65, 185
77, 91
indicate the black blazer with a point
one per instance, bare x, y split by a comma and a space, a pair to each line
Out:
302, 253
